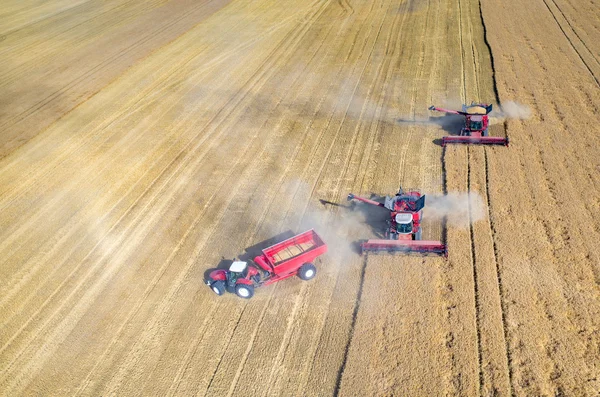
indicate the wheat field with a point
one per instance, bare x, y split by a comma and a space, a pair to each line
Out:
142, 143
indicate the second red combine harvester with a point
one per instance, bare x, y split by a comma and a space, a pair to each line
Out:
475, 130
404, 230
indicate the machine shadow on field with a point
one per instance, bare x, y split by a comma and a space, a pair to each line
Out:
250, 252
450, 123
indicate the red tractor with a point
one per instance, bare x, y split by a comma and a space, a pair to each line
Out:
403, 232
476, 126
277, 262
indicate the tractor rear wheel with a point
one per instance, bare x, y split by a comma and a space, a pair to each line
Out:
218, 287
307, 271
244, 291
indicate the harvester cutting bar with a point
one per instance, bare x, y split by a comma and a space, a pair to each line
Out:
405, 246
486, 140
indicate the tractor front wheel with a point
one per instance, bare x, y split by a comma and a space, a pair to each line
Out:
244, 291
307, 271
218, 287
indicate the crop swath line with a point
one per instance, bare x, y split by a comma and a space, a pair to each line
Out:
263, 67
241, 367
229, 342
161, 173
257, 76
493, 65
140, 101
357, 303
317, 339
289, 330
570, 41
475, 277
575, 31
471, 231
325, 162
503, 306
97, 68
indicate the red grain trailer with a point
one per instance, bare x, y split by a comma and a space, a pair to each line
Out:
277, 262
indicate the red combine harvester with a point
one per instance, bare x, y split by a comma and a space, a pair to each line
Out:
403, 233
282, 260
476, 126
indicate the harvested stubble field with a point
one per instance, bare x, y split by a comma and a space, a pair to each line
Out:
142, 142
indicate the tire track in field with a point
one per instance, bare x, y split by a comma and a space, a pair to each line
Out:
146, 97
475, 276
383, 77
493, 231
473, 256
270, 57
136, 108
301, 297
305, 28
319, 174
562, 29
247, 91
338, 382
316, 340
33, 220
334, 140
503, 304
97, 69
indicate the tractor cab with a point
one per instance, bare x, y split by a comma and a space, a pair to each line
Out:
237, 270
404, 223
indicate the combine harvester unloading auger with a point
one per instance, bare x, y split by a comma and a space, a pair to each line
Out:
403, 233
475, 130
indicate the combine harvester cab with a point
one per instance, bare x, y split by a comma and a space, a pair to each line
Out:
288, 258
475, 130
404, 231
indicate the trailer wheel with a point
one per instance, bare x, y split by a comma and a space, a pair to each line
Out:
218, 287
307, 271
244, 291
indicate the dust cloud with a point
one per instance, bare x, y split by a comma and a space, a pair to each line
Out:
510, 111
455, 208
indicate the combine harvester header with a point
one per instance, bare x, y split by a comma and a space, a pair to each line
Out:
475, 130
404, 231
